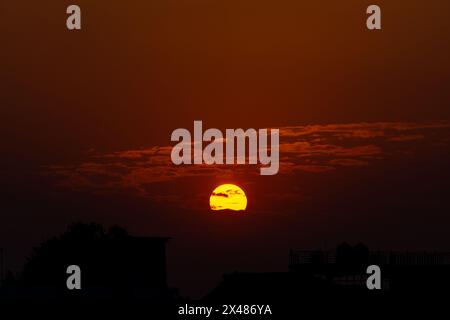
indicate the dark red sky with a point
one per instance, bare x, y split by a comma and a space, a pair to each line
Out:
138, 70
87, 116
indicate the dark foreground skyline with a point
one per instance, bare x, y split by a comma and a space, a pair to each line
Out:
117, 266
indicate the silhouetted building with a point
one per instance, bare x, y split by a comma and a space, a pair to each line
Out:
400, 270
338, 276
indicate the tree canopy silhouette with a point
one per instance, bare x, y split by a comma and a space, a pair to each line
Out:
82, 244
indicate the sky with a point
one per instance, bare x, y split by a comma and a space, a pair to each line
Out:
364, 121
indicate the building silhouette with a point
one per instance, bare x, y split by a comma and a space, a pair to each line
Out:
340, 275
401, 270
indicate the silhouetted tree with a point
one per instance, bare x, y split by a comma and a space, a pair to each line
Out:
112, 262
48, 262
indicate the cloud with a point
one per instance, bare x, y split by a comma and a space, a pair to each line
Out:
316, 149
220, 194
411, 137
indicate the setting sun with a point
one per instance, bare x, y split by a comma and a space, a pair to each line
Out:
228, 196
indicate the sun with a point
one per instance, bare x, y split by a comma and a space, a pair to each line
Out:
228, 196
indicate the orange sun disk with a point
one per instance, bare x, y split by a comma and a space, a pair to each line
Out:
228, 196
